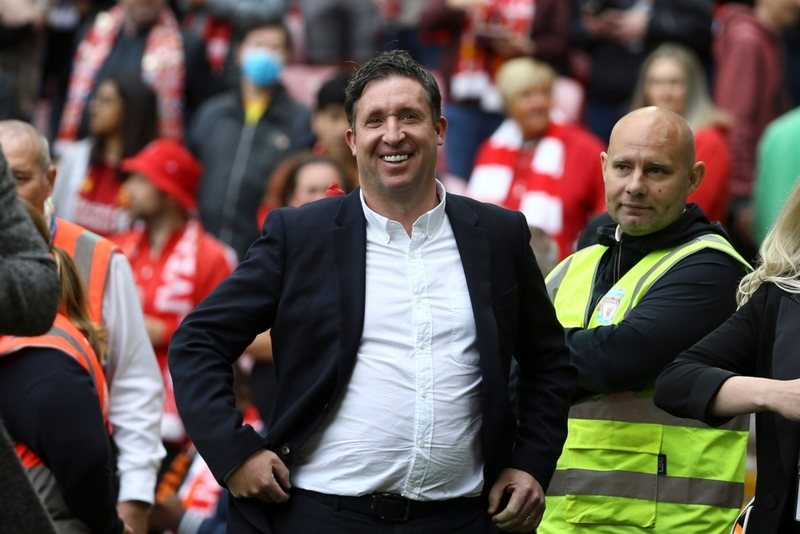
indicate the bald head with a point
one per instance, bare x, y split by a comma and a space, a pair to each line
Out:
23, 130
649, 170
28, 155
662, 124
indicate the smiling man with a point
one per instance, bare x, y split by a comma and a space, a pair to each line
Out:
657, 281
395, 313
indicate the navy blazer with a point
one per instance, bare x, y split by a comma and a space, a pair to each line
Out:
305, 278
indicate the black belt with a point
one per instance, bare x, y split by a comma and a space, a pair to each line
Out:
391, 506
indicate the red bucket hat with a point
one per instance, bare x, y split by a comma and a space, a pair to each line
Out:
170, 167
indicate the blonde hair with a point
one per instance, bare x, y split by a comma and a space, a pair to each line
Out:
74, 300
779, 254
518, 74
700, 112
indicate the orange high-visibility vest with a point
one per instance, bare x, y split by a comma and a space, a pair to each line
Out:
66, 338
92, 254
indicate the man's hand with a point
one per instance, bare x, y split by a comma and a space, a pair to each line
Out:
526, 505
134, 515
262, 476
625, 25
155, 330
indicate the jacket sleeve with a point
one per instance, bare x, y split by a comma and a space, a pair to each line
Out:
546, 378
29, 287
136, 390
688, 385
212, 337
550, 32
63, 425
691, 300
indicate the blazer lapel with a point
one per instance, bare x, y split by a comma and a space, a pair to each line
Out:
349, 243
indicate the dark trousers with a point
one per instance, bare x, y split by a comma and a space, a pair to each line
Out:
305, 513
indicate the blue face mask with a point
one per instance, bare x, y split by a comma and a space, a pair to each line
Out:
261, 66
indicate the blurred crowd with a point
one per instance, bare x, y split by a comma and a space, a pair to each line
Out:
171, 128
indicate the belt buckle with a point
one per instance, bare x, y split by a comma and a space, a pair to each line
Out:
374, 512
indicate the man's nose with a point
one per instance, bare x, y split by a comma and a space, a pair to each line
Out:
636, 184
394, 132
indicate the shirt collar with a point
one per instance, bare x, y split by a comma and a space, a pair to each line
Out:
427, 223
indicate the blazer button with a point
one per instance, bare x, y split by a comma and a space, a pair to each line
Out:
285, 449
769, 502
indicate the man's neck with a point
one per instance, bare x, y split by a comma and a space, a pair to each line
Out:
253, 93
405, 209
161, 227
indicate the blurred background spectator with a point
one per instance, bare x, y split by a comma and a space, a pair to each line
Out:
21, 31
672, 78
122, 120
486, 34
617, 35
242, 135
550, 172
175, 262
749, 83
777, 169
337, 31
329, 123
135, 37
402, 31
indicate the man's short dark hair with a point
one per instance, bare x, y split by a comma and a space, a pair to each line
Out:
332, 92
397, 63
273, 23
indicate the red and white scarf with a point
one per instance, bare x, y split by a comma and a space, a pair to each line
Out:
476, 65
163, 69
524, 177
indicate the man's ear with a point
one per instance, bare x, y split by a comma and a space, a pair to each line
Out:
51, 178
350, 137
696, 176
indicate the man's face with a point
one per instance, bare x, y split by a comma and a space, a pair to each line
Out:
646, 173
270, 38
395, 140
142, 13
531, 109
34, 184
329, 125
144, 199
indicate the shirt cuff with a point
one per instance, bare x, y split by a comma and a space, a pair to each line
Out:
138, 485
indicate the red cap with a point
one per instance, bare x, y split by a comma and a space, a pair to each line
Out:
170, 167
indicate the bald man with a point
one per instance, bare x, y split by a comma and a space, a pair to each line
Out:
657, 280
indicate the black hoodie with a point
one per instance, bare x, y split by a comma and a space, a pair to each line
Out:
688, 302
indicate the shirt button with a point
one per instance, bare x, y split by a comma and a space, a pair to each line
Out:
423, 345
422, 444
425, 394
285, 449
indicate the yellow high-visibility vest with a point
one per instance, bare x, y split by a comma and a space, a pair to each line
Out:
627, 466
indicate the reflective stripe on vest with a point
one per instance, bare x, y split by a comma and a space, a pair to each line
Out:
92, 254
626, 464
66, 338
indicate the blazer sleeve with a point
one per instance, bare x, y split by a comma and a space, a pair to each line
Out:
546, 378
212, 337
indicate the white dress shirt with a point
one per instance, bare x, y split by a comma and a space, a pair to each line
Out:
409, 421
